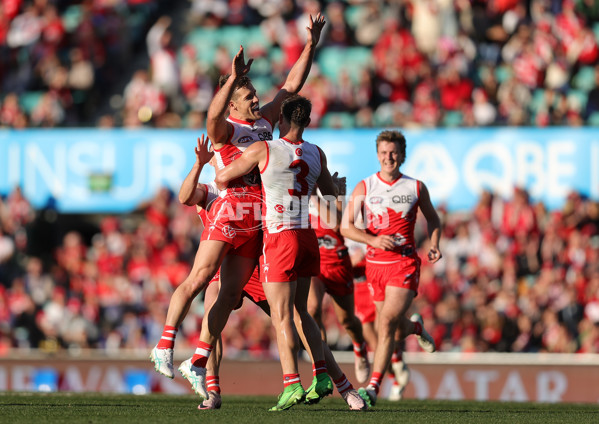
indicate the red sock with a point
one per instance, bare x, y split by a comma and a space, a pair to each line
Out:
289, 379
417, 328
212, 383
343, 385
201, 355
167, 341
319, 367
375, 381
360, 350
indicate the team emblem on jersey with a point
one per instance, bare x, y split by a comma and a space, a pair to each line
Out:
299, 152
327, 242
228, 231
245, 139
280, 208
375, 200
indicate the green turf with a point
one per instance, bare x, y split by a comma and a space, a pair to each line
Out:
168, 409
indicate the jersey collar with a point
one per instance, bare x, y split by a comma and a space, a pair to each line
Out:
378, 174
239, 121
292, 142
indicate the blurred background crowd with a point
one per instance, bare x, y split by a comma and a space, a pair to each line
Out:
515, 278
429, 63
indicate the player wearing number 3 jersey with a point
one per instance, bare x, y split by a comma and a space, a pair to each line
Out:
290, 168
389, 202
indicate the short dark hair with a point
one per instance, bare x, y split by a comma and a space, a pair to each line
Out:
243, 81
393, 136
296, 110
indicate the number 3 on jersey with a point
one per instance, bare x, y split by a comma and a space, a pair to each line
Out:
300, 177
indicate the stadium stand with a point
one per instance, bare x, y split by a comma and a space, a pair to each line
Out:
80, 52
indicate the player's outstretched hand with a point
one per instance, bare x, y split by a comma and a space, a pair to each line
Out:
434, 254
315, 28
203, 152
341, 184
239, 68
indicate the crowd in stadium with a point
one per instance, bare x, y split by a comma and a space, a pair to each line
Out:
381, 63
514, 278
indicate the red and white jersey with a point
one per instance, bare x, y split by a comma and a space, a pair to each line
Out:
391, 209
288, 179
212, 193
244, 135
330, 242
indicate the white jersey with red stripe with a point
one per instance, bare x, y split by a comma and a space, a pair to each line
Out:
288, 179
391, 209
244, 135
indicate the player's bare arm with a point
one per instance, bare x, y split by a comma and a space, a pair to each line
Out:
433, 223
219, 130
298, 73
354, 208
255, 155
191, 193
325, 181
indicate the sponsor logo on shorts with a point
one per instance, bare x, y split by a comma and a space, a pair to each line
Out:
280, 208
228, 231
265, 268
299, 152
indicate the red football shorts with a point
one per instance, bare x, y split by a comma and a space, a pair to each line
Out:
253, 289
404, 274
233, 219
288, 255
337, 278
363, 304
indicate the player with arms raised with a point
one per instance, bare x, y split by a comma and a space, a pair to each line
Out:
233, 236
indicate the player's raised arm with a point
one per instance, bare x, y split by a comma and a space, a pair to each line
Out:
354, 208
299, 72
433, 223
255, 155
191, 193
219, 130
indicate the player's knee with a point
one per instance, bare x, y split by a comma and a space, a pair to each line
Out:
388, 324
228, 299
199, 278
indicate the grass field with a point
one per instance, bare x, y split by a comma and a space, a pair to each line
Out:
168, 409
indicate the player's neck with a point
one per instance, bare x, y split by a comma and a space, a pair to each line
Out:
240, 120
390, 176
294, 135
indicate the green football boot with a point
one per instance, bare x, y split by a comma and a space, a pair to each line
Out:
321, 386
293, 394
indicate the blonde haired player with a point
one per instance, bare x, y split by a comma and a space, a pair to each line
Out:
389, 202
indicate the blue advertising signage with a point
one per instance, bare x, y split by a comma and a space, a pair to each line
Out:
95, 170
